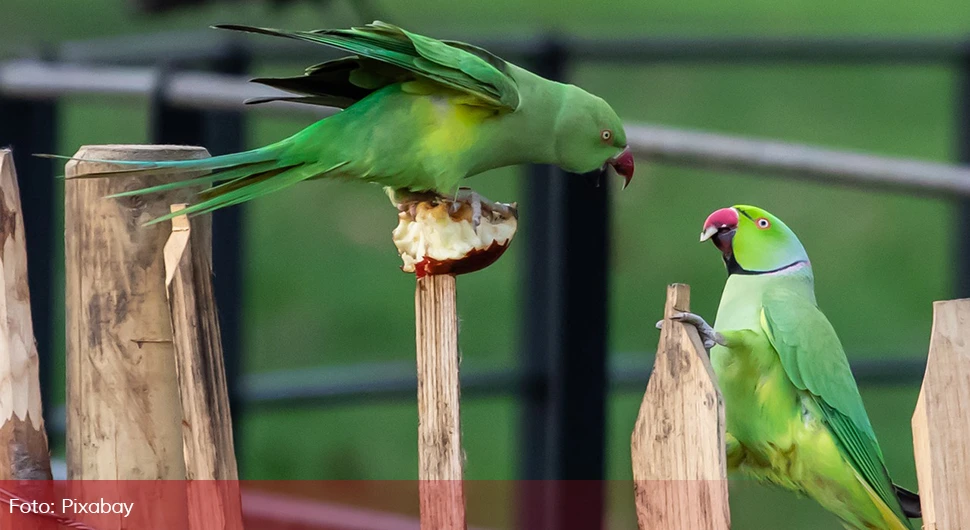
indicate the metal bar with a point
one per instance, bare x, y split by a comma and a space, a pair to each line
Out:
578, 390
566, 323
335, 386
373, 383
796, 161
630, 371
389, 381
225, 132
204, 45
535, 320
961, 281
537, 330
32, 79
221, 132
30, 127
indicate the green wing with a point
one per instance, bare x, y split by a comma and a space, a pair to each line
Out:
387, 54
814, 360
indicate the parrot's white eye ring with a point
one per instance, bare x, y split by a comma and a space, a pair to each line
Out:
763, 223
606, 135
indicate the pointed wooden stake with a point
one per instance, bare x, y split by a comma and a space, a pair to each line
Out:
679, 465
207, 443
23, 441
941, 423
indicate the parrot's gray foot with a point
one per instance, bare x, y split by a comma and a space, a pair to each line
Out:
476, 201
467, 195
708, 336
407, 201
402, 199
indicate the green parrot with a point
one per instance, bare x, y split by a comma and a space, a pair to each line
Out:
419, 116
794, 415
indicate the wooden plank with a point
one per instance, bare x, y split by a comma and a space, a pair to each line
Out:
440, 456
679, 464
24, 454
941, 423
210, 459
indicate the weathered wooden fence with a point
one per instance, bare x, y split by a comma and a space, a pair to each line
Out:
678, 441
147, 392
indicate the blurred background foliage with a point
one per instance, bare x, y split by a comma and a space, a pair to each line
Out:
322, 279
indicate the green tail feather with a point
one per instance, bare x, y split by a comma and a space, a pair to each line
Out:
239, 176
148, 167
249, 187
218, 175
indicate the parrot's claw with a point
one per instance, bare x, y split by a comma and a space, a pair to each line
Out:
407, 201
709, 337
476, 201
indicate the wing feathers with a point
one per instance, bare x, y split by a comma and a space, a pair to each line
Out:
456, 66
813, 359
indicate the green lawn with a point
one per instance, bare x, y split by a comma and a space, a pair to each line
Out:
322, 284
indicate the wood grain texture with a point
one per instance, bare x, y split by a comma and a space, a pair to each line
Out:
677, 446
23, 442
207, 440
941, 423
440, 455
124, 420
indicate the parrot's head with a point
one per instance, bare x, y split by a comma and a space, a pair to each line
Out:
590, 136
752, 240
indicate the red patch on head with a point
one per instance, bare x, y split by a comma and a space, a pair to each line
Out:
725, 217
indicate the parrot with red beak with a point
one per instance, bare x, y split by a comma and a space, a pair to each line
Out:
420, 115
794, 415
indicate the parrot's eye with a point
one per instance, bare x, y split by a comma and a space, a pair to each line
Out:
606, 135
763, 223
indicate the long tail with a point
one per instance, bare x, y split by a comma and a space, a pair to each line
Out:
239, 177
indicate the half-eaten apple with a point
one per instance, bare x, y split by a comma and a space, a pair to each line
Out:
439, 235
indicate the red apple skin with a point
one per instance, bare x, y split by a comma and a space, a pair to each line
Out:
475, 260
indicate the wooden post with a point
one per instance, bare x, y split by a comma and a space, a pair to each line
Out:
23, 441
679, 464
210, 460
124, 418
440, 456
941, 423
24, 455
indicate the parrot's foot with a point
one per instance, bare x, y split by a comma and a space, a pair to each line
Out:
407, 201
707, 333
470, 196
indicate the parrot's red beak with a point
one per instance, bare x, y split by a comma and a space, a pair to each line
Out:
720, 227
623, 165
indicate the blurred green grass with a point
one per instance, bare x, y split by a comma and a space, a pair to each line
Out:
322, 285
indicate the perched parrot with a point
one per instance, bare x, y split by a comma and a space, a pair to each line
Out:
794, 414
419, 116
